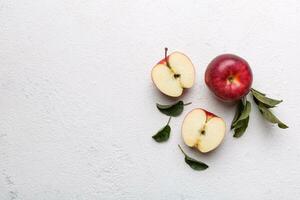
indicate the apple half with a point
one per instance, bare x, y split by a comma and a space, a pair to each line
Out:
174, 73
203, 130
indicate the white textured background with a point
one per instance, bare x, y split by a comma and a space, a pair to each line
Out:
77, 105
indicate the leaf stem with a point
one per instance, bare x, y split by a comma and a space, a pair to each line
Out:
182, 150
166, 57
169, 120
186, 104
244, 100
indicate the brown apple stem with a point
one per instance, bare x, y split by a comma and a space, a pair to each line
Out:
166, 57
166, 52
181, 150
168, 64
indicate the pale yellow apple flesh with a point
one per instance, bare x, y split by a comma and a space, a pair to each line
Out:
172, 79
203, 130
163, 78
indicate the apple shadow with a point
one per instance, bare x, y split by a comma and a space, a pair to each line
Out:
210, 154
267, 127
219, 101
161, 95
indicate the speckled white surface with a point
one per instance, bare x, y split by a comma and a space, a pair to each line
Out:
77, 103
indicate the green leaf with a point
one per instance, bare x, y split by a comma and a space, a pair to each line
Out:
263, 94
244, 114
238, 111
269, 116
194, 164
255, 100
265, 100
173, 110
282, 125
264, 103
240, 123
163, 134
241, 127
258, 102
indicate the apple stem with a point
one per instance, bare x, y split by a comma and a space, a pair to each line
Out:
169, 120
168, 64
181, 150
166, 57
186, 104
231, 79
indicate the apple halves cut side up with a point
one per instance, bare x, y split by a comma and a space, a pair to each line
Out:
173, 74
203, 130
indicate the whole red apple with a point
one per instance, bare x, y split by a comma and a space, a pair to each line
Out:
229, 77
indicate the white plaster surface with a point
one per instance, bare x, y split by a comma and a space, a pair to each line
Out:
77, 105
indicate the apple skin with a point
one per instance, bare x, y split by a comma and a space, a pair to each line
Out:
229, 77
163, 61
209, 114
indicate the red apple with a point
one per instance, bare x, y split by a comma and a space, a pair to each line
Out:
173, 74
229, 77
203, 130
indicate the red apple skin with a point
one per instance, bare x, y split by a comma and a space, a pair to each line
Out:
229, 77
163, 61
209, 115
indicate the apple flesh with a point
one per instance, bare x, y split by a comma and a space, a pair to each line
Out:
203, 130
174, 73
229, 77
